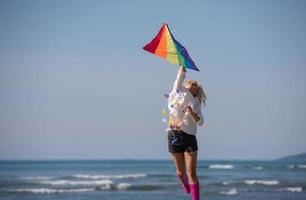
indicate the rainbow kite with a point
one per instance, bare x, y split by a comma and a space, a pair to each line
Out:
166, 46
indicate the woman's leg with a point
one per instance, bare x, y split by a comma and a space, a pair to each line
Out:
191, 161
179, 161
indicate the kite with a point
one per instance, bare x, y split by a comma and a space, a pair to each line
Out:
167, 47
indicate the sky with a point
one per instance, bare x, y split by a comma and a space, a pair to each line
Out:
76, 84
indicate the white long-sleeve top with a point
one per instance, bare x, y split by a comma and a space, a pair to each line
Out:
179, 98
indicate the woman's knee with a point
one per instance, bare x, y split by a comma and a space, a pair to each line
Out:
192, 173
180, 173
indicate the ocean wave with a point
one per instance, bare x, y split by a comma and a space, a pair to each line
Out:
288, 189
146, 187
124, 176
127, 186
293, 189
72, 183
34, 177
291, 166
162, 175
50, 191
258, 167
218, 166
302, 166
106, 187
226, 182
124, 186
232, 191
173, 176
262, 182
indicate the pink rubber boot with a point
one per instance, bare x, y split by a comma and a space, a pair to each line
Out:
195, 191
185, 184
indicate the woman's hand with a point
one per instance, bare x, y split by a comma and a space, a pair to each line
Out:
182, 69
187, 109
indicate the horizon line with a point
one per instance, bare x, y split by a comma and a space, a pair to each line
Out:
131, 159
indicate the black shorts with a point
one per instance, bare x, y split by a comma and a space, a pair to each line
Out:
179, 142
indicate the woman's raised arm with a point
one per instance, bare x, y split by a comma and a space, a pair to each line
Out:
179, 79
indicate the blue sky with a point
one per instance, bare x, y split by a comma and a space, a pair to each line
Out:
76, 84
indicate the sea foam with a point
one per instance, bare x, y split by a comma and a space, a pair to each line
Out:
225, 182
293, 189
50, 191
218, 166
258, 167
123, 186
128, 186
262, 182
302, 166
70, 182
291, 166
232, 191
34, 177
123, 176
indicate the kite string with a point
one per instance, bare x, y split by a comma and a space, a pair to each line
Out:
164, 111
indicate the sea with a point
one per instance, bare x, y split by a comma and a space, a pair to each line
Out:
149, 180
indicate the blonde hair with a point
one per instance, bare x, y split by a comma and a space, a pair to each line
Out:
200, 93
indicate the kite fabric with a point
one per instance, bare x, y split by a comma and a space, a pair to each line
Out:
167, 47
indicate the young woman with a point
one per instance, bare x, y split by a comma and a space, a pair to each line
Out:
184, 104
